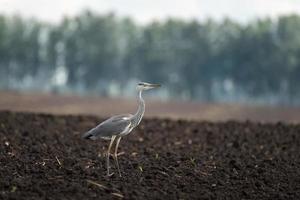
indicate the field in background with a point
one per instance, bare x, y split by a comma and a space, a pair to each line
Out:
50, 103
44, 156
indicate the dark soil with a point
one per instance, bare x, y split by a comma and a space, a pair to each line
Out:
44, 157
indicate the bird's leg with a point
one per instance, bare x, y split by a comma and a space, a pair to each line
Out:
116, 155
108, 153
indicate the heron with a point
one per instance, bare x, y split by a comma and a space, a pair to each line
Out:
116, 127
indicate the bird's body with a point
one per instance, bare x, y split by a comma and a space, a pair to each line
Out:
116, 125
120, 125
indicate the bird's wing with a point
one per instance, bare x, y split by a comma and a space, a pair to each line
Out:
112, 126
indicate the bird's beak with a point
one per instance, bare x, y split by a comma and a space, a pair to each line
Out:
154, 85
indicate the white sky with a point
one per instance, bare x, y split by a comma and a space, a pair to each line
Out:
144, 11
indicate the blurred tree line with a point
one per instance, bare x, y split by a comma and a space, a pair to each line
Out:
209, 61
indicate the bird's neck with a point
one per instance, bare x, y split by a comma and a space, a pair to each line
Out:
141, 110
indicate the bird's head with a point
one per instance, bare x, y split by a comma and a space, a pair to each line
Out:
146, 86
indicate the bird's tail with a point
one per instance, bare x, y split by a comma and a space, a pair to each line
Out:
88, 135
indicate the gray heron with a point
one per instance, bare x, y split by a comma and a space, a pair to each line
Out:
116, 127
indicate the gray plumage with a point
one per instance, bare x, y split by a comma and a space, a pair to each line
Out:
120, 125
112, 126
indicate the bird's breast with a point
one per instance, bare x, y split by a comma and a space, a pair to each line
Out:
127, 130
